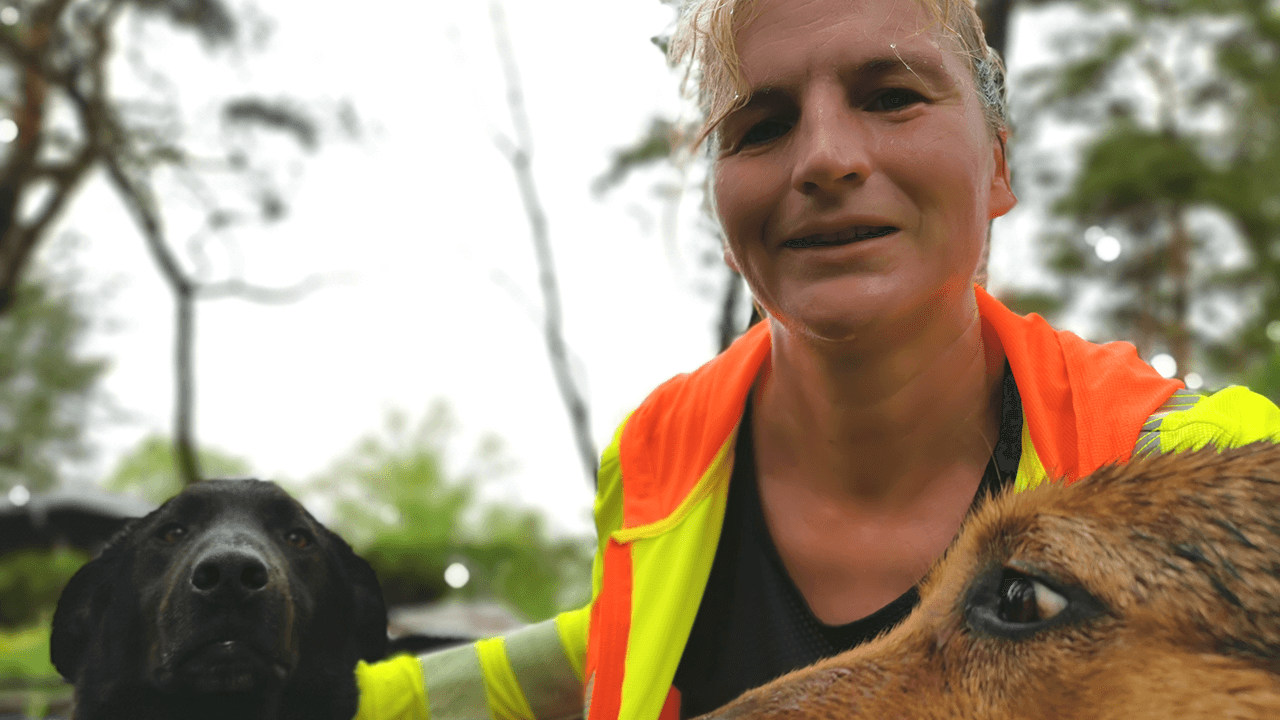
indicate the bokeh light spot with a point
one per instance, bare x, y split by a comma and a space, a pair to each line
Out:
1107, 248
457, 575
1165, 365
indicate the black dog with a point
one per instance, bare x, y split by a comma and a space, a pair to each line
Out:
228, 602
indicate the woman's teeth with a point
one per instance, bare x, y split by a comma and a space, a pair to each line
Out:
842, 237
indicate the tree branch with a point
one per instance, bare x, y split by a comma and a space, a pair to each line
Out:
519, 155
138, 200
264, 295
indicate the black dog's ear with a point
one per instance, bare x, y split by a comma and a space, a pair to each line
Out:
370, 610
80, 608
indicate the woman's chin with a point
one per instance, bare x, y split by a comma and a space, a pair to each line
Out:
867, 319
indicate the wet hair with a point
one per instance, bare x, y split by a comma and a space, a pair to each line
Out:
705, 43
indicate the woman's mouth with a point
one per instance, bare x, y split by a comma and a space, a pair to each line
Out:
844, 237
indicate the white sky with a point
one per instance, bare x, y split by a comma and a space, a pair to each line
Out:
424, 212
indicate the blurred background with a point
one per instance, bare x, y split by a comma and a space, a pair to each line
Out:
416, 260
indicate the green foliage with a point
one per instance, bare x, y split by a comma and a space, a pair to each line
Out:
27, 676
45, 386
211, 20
655, 146
150, 471
24, 652
1089, 74
1265, 378
515, 559
411, 517
32, 580
1026, 302
1156, 158
1127, 170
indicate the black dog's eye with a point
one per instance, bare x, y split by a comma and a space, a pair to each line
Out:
171, 533
298, 538
1012, 604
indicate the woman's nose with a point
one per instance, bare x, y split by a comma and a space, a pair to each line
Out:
832, 149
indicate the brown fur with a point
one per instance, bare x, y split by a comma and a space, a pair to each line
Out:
1171, 565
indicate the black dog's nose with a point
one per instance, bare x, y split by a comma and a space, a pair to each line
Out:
237, 573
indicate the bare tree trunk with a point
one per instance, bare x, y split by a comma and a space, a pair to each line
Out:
519, 153
141, 205
1179, 333
995, 23
184, 411
30, 51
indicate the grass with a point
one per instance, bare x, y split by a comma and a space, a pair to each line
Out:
28, 682
24, 653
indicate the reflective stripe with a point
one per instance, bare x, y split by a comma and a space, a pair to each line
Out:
1231, 417
391, 690
669, 574
714, 479
1030, 471
455, 685
608, 505
540, 666
1149, 436
503, 694
572, 627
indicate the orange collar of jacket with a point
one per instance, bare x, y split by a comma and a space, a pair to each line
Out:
1084, 406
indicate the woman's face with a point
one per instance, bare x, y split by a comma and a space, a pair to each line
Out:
856, 184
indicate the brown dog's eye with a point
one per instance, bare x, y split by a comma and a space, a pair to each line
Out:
171, 533
1008, 603
298, 538
1023, 600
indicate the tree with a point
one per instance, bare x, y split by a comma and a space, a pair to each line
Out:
517, 148
1160, 181
666, 144
1248, 59
151, 471
46, 384
56, 58
411, 516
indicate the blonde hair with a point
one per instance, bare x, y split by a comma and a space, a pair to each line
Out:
705, 43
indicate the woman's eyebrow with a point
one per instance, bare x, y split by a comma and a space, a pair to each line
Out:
928, 69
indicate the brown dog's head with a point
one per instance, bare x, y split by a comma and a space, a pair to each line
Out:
229, 590
1147, 590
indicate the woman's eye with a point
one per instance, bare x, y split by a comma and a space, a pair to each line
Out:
765, 131
895, 99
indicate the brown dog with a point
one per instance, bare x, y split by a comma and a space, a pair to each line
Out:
1147, 590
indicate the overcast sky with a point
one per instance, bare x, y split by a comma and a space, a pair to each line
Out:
423, 213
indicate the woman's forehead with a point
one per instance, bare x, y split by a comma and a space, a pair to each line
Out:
782, 38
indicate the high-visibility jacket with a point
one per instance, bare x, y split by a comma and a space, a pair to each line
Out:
661, 501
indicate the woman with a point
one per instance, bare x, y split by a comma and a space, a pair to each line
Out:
781, 503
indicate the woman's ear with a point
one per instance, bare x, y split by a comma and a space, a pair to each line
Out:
1001, 198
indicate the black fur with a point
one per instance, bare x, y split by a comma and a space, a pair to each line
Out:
229, 601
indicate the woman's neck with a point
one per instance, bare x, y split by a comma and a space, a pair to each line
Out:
877, 423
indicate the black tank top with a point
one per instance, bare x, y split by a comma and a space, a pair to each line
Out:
753, 625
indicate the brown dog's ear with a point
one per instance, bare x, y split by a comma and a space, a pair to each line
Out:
79, 611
